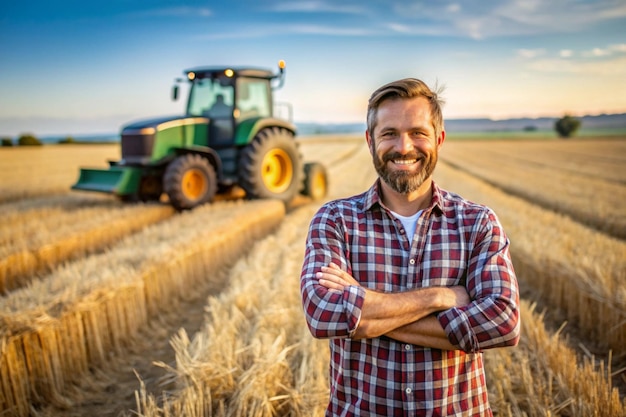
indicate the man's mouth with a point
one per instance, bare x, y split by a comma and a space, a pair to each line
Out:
404, 161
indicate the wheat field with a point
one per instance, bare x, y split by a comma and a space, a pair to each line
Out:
117, 310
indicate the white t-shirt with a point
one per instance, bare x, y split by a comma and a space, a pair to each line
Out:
409, 223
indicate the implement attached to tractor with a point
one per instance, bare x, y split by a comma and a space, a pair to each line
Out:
229, 136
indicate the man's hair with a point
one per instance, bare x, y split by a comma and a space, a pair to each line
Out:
405, 89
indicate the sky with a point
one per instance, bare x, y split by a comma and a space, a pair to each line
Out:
91, 66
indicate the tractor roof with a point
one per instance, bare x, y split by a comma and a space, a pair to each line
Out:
207, 72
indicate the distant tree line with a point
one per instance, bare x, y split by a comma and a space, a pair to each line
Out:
28, 139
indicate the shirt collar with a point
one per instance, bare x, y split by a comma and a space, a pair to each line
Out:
371, 197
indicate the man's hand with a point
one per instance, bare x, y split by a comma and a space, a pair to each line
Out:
333, 278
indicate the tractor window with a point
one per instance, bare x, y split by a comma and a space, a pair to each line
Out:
209, 98
253, 98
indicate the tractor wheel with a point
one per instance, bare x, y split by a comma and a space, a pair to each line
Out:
315, 181
270, 166
189, 181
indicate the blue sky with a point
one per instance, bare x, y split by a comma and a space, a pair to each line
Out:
78, 67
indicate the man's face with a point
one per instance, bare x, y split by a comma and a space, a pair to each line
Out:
404, 147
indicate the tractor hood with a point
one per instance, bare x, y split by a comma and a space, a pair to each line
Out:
152, 140
151, 126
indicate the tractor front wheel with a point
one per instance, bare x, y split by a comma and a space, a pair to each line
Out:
270, 166
189, 181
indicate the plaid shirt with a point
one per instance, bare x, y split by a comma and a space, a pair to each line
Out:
456, 242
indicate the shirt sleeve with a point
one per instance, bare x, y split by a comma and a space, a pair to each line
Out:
492, 319
329, 314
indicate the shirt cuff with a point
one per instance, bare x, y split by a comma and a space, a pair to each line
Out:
353, 298
456, 324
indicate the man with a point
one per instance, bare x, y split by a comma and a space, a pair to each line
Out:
408, 281
220, 108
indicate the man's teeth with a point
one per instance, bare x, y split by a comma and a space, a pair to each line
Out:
404, 161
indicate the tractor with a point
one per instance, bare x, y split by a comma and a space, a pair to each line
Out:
229, 137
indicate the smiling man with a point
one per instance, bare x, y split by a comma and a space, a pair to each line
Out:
408, 281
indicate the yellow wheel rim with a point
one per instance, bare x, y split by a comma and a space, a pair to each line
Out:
319, 186
194, 184
277, 170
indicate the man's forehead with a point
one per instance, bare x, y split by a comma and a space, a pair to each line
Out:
400, 111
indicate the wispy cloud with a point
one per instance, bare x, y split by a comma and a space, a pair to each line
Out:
614, 67
182, 11
262, 31
313, 6
530, 53
604, 52
605, 61
478, 19
594, 53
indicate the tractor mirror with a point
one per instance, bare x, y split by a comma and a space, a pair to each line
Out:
175, 93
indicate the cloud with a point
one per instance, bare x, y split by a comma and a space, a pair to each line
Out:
613, 67
294, 29
182, 11
530, 53
477, 19
598, 52
326, 30
618, 47
316, 7
599, 61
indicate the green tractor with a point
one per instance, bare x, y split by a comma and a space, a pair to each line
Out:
228, 137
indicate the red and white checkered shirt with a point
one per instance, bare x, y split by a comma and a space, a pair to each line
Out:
456, 242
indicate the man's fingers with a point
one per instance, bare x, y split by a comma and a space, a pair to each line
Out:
332, 286
334, 266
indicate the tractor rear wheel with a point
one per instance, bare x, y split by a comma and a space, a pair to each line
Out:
270, 166
315, 181
189, 181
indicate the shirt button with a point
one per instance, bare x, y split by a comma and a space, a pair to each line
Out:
408, 390
412, 261
407, 347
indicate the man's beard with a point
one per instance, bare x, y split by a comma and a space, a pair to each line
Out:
401, 181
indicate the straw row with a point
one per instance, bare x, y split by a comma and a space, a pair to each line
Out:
33, 242
254, 355
591, 200
577, 270
541, 377
602, 159
55, 329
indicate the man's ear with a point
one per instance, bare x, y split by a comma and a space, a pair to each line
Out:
369, 140
441, 139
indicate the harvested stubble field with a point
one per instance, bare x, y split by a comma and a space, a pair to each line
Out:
117, 309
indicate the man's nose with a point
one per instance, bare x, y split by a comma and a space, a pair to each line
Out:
405, 143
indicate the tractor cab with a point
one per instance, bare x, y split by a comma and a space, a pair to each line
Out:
228, 97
